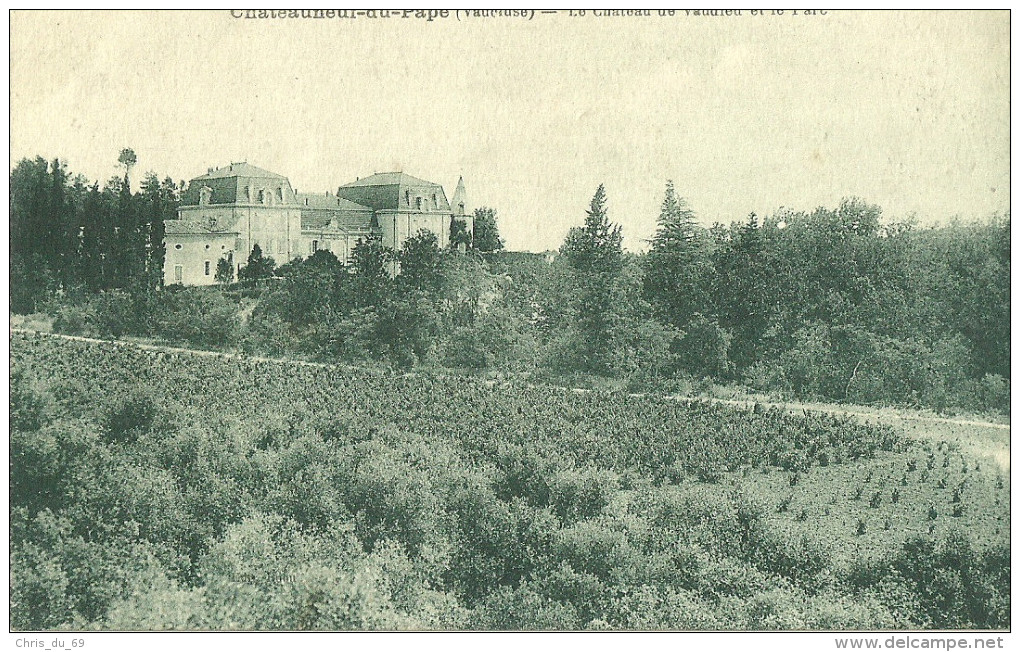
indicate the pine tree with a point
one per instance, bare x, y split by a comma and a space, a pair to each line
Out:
595, 253
678, 265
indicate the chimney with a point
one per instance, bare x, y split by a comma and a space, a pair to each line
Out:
209, 171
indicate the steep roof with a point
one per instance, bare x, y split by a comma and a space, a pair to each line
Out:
390, 179
460, 198
239, 170
396, 191
238, 183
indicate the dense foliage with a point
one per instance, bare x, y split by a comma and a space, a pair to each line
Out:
154, 490
832, 304
67, 235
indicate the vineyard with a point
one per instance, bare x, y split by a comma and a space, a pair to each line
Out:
159, 490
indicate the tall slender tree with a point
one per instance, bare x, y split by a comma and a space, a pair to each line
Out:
128, 159
370, 281
595, 253
678, 265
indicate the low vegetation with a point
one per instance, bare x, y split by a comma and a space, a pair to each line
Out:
152, 490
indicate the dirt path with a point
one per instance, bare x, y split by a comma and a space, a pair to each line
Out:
980, 438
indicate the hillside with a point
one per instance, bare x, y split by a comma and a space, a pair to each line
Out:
154, 489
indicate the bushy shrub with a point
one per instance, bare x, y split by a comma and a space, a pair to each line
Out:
132, 415
578, 494
28, 405
703, 349
600, 547
407, 330
650, 608
112, 313
989, 394
496, 339
197, 316
523, 608
265, 334
943, 583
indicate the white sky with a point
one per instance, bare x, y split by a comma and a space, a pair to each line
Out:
907, 110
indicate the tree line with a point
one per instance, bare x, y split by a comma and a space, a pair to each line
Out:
835, 303
68, 235
832, 303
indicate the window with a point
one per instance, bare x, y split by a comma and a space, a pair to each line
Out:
435, 201
177, 246
262, 196
315, 246
207, 246
407, 197
417, 203
207, 268
283, 247
178, 273
279, 194
272, 245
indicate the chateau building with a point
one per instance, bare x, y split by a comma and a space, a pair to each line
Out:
227, 211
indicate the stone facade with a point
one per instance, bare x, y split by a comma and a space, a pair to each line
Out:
226, 212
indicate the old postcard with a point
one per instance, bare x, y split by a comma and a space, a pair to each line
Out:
667, 320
